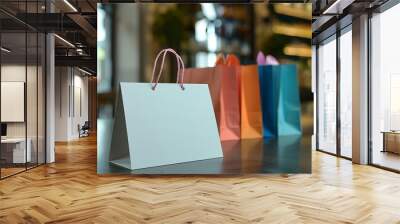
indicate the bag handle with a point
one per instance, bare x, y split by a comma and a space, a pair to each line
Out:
180, 64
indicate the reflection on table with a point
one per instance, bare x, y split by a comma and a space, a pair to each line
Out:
289, 154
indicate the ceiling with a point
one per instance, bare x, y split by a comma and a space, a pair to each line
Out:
74, 22
331, 15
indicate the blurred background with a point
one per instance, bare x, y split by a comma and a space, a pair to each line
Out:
130, 36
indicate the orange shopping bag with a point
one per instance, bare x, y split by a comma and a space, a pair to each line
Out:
250, 103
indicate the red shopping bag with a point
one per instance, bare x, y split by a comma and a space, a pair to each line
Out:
222, 82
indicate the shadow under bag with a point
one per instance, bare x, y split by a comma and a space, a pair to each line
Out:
164, 123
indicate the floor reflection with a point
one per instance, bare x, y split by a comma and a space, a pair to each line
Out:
289, 154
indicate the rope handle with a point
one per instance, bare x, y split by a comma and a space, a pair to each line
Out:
180, 65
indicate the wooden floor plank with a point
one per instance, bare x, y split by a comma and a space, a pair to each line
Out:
70, 191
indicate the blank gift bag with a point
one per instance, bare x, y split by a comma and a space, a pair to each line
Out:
223, 84
280, 100
250, 103
161, 124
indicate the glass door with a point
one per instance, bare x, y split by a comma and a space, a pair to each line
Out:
22, 91
14, 155
32, 98
345, 59
41, 96
385, 89
326, 96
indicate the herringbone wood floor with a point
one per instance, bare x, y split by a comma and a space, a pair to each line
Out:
70, 191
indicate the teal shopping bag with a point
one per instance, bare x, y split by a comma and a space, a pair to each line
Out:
162, 124
280, 100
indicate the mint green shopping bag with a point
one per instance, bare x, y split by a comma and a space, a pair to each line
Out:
163, 123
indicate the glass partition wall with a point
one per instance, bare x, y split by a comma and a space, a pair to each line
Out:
334, 94
327, 95
22, 107
385, 89
13, 90
334, 105
345, 62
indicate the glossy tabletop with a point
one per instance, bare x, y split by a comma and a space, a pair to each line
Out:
287, 154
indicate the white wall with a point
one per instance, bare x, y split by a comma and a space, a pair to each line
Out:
62, 81
13, 73
71, 93
79, 117
33, 126
16, 73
